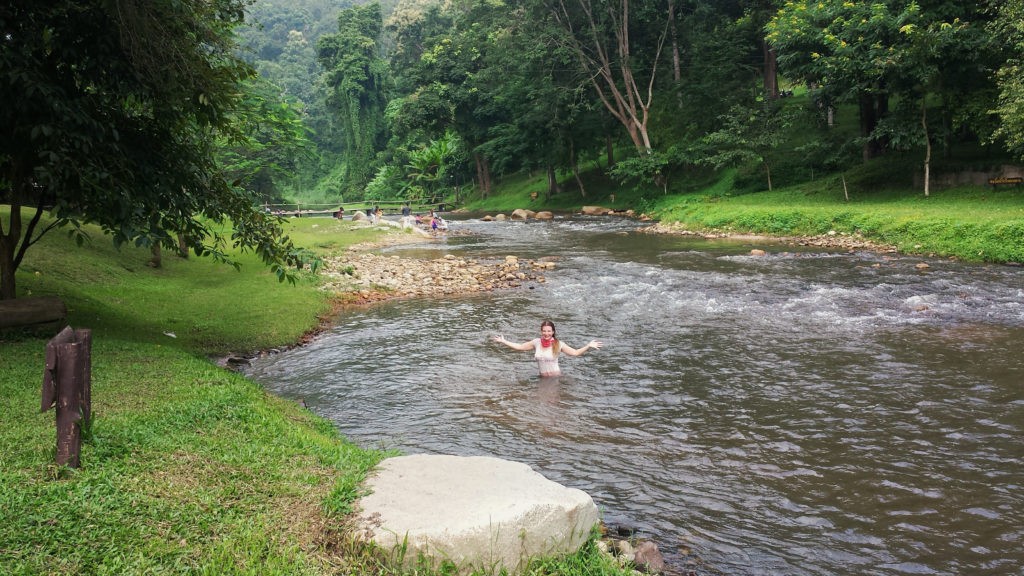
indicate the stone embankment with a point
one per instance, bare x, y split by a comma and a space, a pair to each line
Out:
368, 277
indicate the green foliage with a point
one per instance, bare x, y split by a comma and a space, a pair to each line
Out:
1009, 28
271, 143
868, 52
389, 183
355, 77
110, 117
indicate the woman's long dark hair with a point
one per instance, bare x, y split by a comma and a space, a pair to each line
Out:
556, 345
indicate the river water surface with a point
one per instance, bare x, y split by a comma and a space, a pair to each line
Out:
799, 413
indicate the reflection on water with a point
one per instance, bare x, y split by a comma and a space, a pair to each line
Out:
800, 413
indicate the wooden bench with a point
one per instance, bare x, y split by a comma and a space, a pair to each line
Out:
33, 312
1005, 181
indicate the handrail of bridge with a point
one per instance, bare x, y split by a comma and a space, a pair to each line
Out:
301, 208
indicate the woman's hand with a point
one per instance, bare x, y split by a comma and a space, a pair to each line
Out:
499, 339
594, 344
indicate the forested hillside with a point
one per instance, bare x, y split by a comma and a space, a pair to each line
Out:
155, 118
418, 98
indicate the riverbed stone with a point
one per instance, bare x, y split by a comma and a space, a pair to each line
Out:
475, 511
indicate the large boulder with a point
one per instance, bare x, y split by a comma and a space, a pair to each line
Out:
478, 512
545, 215
522, 214
596, 210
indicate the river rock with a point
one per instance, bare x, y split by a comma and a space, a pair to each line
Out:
544, 215
596, 210
372, 277
478, 512
501, 217
522, 214
648, 558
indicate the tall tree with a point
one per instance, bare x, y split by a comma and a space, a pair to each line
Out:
110, 111
599, 33
1008, 29
355, 77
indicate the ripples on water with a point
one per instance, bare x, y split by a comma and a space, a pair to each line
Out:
800, 413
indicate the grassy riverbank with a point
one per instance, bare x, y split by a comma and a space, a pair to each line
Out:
970, 223
188, 468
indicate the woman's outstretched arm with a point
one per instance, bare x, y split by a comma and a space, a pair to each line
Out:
513, 345
580, 351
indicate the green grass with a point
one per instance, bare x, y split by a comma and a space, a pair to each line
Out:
187, 468
968, 223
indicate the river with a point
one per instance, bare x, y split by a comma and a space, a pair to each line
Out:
803, 413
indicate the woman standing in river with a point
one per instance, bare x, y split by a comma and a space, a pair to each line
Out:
547, 348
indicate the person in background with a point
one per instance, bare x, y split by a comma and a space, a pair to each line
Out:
547, 348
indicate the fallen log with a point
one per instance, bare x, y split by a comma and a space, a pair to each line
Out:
33, 311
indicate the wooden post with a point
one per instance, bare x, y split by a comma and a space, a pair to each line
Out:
67, 385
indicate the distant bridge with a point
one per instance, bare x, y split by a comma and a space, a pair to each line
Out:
388, 206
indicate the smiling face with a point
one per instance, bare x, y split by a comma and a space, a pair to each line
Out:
547, 330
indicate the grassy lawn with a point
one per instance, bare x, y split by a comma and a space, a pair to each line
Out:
187, 468
968, 223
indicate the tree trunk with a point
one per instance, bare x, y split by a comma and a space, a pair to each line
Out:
182, 246
8, 246
576, 169
872, 109
7, 269
156, 261
927, 147
771, 70
483, 173
609, 150
676, 68
552, 183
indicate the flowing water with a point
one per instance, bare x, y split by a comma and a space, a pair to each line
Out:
798, 413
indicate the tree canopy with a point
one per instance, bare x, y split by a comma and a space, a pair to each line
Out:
143, 116
111, 111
